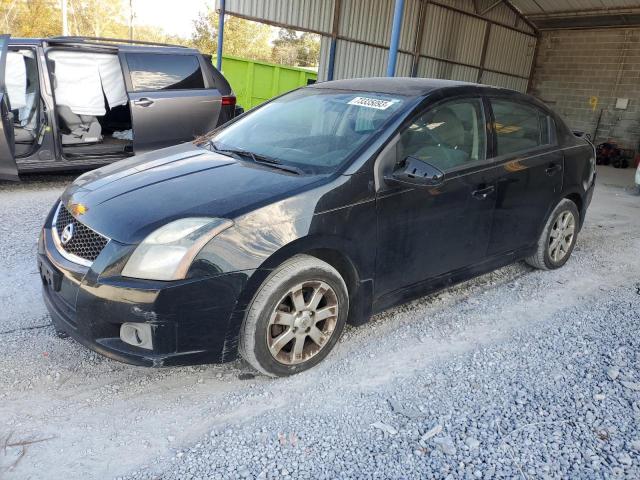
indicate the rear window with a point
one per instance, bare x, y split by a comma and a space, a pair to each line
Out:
151, 71
519, 127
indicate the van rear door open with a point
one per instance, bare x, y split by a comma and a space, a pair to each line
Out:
8, 168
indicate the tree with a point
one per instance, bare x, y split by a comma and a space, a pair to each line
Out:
30, 18
309, 50
285, 47
93, 18
97, 18
242, 38
291, 48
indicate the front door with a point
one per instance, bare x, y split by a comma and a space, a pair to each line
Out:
8, 168
532, 169
171, 100
424, 233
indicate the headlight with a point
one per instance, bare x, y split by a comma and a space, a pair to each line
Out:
167, 253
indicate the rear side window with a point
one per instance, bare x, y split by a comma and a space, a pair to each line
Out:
153, 71
519, 127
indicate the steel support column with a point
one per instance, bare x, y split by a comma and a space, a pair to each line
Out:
483, 55
417, 46
395, 38
337, 7
220, 35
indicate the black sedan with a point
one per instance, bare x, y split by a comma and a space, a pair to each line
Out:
319, 208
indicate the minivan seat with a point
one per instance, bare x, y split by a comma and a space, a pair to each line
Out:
25, 121
22, 135
83, 128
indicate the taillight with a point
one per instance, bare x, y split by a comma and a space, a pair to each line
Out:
228, 101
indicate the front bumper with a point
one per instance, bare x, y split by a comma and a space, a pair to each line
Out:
192, 321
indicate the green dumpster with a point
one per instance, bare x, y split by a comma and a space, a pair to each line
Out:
256, 82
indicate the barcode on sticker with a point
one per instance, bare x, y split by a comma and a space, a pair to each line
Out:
371, 103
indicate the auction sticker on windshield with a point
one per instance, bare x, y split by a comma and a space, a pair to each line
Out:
372, 103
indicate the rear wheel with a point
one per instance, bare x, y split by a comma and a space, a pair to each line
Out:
295, 318
558, 237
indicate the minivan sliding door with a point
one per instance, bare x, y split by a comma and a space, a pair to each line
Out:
170, 99
8, 168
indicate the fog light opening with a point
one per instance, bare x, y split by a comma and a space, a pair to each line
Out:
137, 334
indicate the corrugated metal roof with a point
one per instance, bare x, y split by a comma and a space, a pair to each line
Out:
509, 51
553, 14
355, 60
452, 36
503, 14
371, 22
460, 4
316, 15
451, 46
506, 81
538, 7
429, 68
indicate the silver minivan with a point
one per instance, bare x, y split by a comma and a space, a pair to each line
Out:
80, 102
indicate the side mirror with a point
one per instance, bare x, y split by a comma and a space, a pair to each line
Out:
415, 172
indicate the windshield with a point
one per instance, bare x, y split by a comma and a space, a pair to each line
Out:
312, 129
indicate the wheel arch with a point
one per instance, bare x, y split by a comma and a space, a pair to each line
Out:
577, 199
575, 196
338, 253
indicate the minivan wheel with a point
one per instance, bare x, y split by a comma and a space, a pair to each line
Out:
558, 237
295, 318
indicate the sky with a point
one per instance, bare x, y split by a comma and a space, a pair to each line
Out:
174, 17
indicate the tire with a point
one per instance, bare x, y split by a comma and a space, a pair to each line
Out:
61, 333
546, 256
282, 314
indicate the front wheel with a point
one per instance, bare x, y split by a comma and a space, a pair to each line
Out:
295, 318
558, 237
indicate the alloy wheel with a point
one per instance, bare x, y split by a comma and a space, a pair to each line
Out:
303, 322
561, 236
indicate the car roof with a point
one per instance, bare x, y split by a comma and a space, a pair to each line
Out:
25, 41
120, 44
409, 86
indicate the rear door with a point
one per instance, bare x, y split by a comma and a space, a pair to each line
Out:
8, 168
171, 100
532, 169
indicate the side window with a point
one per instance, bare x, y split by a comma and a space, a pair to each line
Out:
447, 136
157, 71
519, 127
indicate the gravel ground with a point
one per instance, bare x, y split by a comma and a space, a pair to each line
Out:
519, 373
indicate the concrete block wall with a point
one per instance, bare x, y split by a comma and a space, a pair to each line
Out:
573, 66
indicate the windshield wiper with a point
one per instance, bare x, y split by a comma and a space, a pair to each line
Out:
256, 158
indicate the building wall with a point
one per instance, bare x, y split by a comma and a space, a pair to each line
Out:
574, 68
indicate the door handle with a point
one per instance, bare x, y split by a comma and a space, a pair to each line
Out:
144, 102
483, 193
553, 168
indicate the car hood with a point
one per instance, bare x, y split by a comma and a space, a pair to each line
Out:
127, 200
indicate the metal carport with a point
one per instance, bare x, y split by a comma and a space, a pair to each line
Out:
485, 41
580, 56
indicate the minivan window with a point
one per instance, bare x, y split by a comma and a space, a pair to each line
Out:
447, 136
316, 130
518, 126
154, 71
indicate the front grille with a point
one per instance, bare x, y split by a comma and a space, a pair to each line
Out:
84, 243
